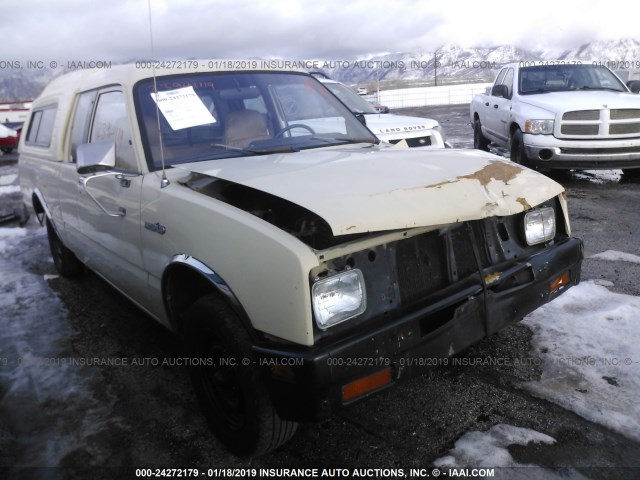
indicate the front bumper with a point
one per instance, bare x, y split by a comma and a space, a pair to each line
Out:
308, 385
548, 151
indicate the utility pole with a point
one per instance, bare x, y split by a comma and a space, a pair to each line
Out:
435, 68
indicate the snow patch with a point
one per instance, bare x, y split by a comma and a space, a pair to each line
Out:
10, 189
616, 256
489, 450
8, 237
8, 179
588, 340
47, 408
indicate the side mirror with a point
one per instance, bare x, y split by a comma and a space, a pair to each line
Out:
95, 157
500, 91
361, 119
634, 86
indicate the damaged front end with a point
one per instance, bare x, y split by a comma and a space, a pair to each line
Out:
414, 264
427, 294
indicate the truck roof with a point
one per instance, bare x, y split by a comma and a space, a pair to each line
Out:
129, 74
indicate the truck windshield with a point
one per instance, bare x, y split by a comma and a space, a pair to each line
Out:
560, 78
230, 114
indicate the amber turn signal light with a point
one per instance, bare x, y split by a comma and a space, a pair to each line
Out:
560, 282
366, 385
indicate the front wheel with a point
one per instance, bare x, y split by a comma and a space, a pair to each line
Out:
232, 395
479, 140
518, 154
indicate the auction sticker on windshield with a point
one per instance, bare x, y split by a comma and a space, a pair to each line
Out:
182, 108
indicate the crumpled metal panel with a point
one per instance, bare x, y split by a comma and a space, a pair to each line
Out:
369, 188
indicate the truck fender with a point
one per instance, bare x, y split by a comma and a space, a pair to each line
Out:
40, 207
185, 280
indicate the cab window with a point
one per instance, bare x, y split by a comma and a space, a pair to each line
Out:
110, 122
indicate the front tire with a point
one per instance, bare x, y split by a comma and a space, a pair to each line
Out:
64, 259
518, 154
480, 142
231, 392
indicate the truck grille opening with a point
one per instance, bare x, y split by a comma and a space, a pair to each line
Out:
422, 266
415, 142
582, 115
601, 123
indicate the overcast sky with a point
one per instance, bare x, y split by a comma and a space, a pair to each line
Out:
118, 30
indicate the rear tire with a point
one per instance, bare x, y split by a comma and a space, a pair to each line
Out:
233, 398
64, 259
479, 140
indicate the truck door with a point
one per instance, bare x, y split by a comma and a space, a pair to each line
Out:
499, 108
108, 207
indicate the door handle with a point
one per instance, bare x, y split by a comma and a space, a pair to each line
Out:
85, 180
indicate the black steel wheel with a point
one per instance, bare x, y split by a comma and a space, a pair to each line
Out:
231, 392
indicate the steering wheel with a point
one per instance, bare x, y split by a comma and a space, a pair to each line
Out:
295, 125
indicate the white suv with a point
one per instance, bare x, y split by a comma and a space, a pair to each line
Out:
396, 129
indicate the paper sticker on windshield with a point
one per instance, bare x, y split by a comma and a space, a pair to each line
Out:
182, 108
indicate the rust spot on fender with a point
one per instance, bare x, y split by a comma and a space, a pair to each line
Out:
523, 201
495, 170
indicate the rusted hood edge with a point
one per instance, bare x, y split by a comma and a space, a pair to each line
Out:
387, 189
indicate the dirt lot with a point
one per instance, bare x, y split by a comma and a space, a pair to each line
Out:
94, 421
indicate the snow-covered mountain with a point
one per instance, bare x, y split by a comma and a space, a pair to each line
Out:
449, 63
480, 64
18, 85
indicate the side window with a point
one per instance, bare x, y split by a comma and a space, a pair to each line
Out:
500, 77
508, 81
110, 122
81, 122
41, 127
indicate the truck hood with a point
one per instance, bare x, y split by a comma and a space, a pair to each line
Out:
388, 123
369, 188
582, 100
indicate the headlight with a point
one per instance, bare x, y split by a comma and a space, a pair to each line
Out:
540, 225
338, 298
539, 127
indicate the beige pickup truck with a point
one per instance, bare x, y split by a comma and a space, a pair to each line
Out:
304, 265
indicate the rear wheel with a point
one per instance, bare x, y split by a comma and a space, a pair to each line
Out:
518, 154
64, 259
232, 395
479, 140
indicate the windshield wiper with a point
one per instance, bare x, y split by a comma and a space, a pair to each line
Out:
540, 90
264, 151
585, 87
358, 140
